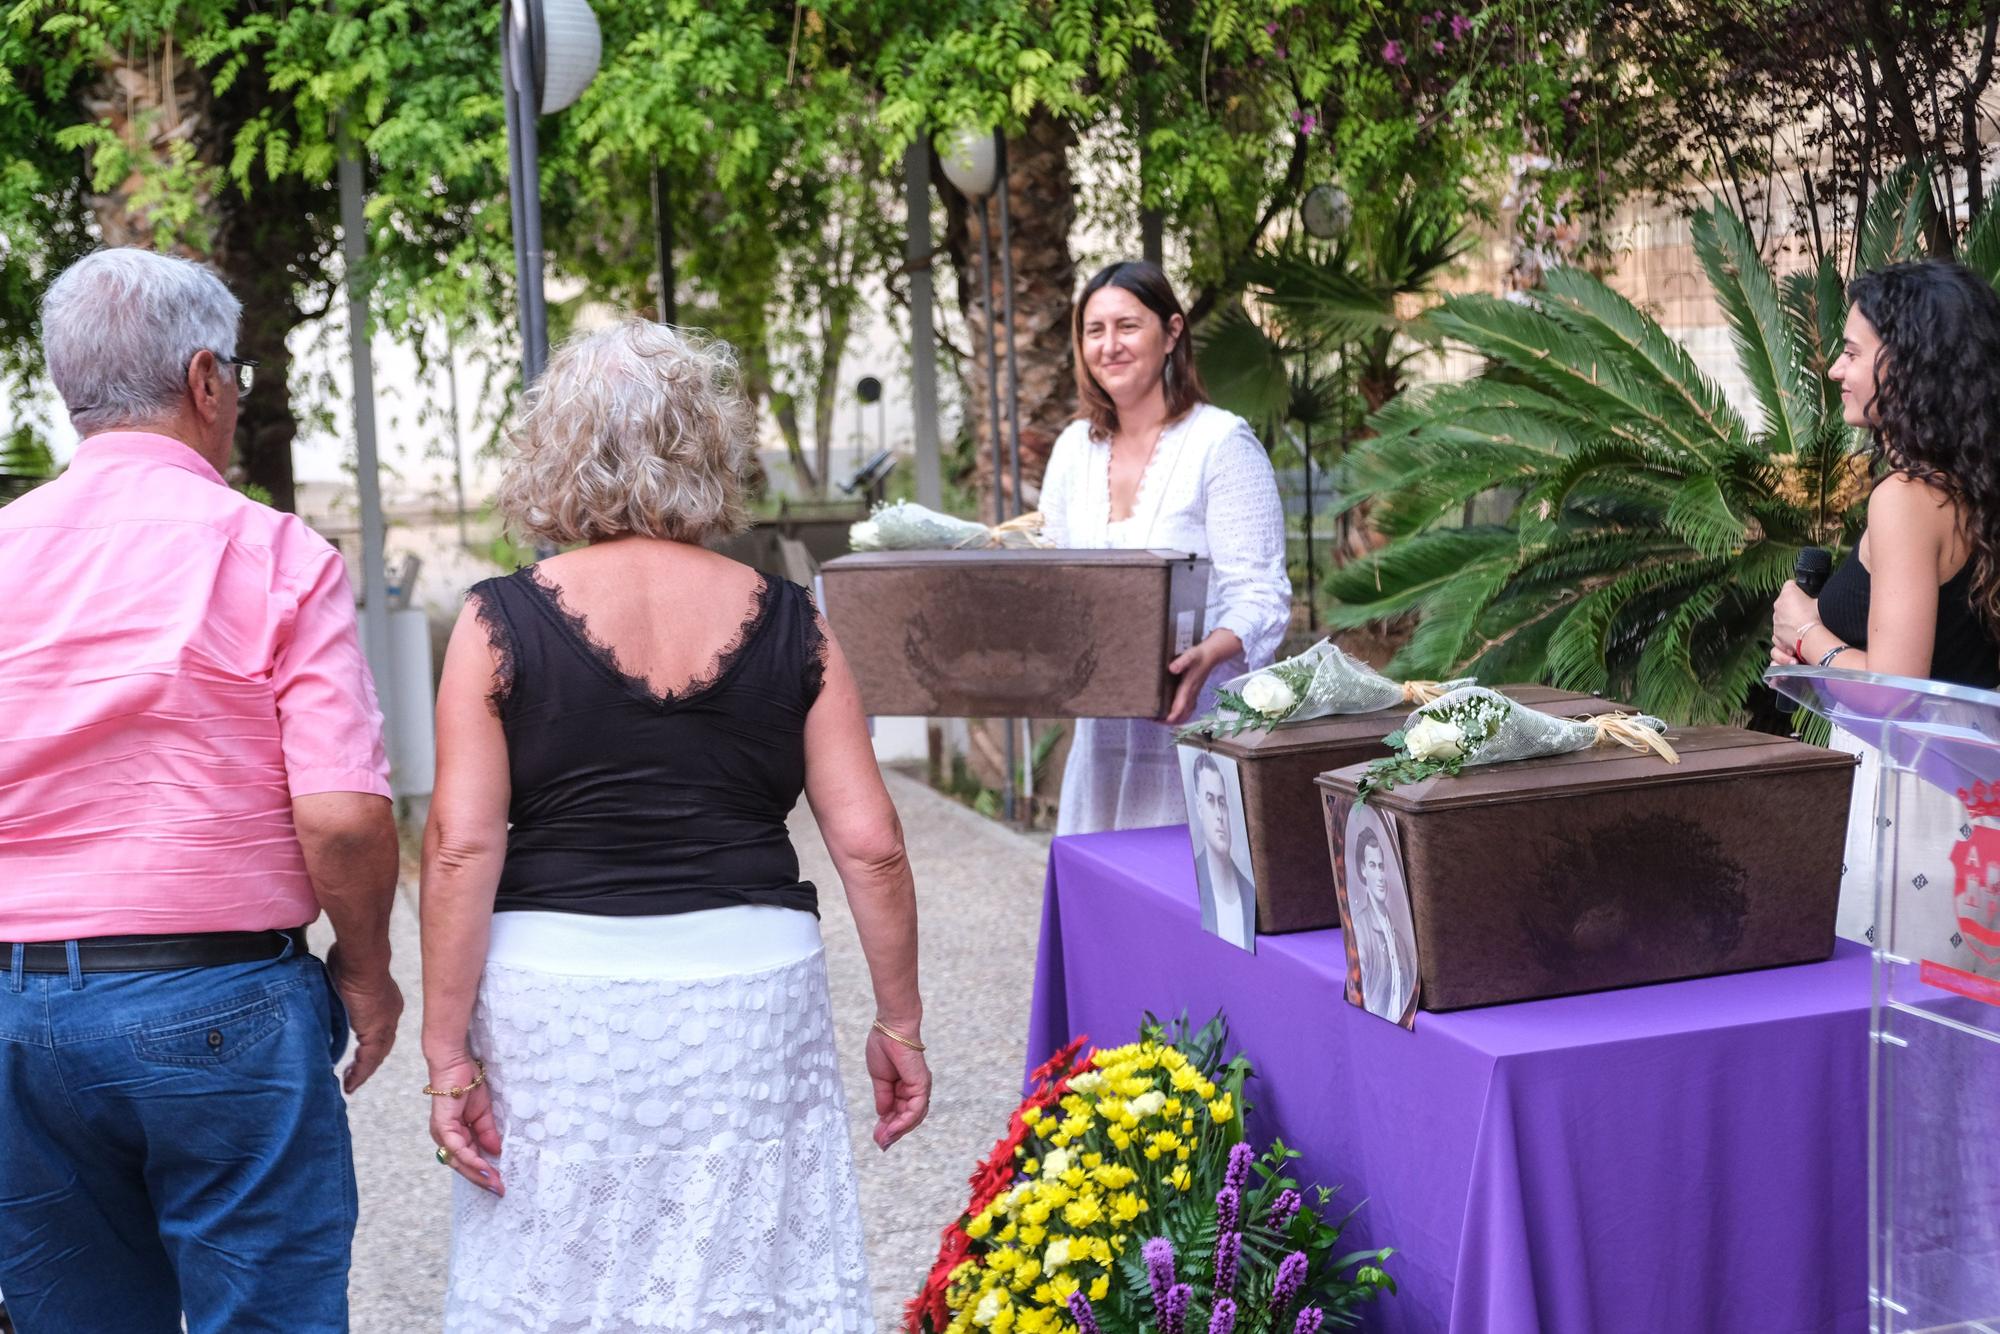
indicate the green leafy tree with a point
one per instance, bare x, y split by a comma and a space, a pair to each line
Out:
1652, 523
25, 463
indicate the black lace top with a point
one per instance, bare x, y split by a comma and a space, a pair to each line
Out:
627, 802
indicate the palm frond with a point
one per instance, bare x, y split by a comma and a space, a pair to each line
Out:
1816, 303
1765, 345
1589, 306
1701, 514
1579, 649
1899, 213
1565, 363
1447, 635
1403, 575
1981, 250
1245, 370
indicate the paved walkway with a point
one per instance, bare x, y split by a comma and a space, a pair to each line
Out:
979, 890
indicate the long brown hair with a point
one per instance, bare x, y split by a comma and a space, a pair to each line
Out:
1179, 378
1937, 397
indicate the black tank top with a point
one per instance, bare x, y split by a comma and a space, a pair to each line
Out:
630, 803
1963, 652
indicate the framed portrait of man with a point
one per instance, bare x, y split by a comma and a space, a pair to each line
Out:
1221, 846
1378, 914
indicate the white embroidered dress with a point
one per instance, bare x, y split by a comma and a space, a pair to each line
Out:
1209, 490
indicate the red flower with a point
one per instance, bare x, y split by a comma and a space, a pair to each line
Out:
928, 1309
929, 1303
1063, 1061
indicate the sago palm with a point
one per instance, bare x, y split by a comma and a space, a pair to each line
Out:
1654, 523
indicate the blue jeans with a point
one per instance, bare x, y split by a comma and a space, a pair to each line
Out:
174, 1142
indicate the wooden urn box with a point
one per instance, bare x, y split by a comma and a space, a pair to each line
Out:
1609, 868
1015, 633
1281, 805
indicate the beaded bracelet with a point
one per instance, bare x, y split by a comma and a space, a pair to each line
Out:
457, 1091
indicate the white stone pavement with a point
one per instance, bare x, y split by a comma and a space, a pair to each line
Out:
979, 894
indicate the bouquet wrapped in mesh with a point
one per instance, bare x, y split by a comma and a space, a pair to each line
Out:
1474, 725
1317, 683
907, 526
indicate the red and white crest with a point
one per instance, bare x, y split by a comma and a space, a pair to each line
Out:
1975, 861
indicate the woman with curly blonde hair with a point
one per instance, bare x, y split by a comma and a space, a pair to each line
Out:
626, 1020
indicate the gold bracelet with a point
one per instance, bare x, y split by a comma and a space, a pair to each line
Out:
456, 1092
894, 1036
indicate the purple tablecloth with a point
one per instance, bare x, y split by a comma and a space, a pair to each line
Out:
1679, 1159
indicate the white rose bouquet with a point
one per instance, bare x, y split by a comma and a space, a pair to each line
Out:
1474, 725
907, 526
1315, 684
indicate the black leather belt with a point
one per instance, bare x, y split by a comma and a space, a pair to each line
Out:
145, 954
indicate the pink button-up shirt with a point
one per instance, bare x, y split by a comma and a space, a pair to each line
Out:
177, 662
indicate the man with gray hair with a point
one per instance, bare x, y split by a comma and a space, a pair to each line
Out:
191, 770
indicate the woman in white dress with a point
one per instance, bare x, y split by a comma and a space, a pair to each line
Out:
626, 1020
1152, 463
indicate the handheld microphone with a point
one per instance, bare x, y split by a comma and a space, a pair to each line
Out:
1809, 572
1811, 569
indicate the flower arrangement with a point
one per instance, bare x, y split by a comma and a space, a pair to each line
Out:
1473, 725
904, 525
1123, 1199
1313, 684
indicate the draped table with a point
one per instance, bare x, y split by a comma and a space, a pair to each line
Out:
1688, 1157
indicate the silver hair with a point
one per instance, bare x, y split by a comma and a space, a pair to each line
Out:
635, 429
119, 328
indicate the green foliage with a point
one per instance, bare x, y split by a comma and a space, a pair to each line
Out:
1652, 524
25, 462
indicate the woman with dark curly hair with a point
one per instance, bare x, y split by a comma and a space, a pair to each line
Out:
1920, 594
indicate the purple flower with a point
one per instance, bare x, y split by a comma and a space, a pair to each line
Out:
1460, 26
1228, 1252
1228, 1209
1159, 1255
1392, 53
1291, 1280
1270, 30
1437, 48
1079, 1310
1223, 1321
1310, 1320
1174, 1310
1309, 124
1284, 1209
1237, 1174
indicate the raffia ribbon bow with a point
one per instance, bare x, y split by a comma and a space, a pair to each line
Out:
1027, 525
1423, 692
1626, 730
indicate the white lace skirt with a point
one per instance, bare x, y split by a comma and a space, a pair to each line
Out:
675, 1153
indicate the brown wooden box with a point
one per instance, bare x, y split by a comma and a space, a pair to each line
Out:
1015, 634
1281, 806
1608, 868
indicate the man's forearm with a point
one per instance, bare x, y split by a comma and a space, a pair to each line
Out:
353, 874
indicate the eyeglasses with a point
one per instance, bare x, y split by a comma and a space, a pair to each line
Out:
246, 371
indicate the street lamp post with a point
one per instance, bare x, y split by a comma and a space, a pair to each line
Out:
973, 164
549, 52
1325, 213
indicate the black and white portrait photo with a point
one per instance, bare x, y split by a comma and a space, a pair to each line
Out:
1378, 905
1221, 846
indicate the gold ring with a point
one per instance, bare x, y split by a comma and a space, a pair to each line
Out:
444, 1155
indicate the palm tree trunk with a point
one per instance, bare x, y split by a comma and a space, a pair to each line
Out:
1041, 209
161, 106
